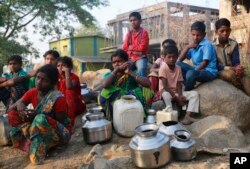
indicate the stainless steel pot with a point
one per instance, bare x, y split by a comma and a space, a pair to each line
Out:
96, 109
149, 148
169, 128
151, 118
5, 128
183, 147
96, 129
84, 119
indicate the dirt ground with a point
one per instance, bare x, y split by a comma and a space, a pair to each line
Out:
74, 155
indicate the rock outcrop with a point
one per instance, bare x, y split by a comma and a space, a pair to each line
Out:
217, 132
94, 78
221, 98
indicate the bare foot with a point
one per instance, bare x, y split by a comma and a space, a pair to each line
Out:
188, 120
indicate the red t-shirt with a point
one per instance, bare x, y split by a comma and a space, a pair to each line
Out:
31, 97
62, 84
60, 105
136, 41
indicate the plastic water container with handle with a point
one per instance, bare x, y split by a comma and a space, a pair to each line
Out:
128, 113
167, 114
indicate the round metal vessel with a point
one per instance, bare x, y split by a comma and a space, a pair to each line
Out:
96, 129
183, 147
149, 148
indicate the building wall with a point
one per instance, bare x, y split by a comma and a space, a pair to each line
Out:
89, 46
83, 46
62, 46
101, 44
225, 8
80, 46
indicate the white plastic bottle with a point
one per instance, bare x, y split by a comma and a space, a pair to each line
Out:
128, 113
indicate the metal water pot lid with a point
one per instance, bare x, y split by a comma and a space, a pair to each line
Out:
182, 135
151, 112
95, 116
147, 130
95, 109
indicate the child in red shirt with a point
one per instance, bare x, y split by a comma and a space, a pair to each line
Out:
136, 45
69, 85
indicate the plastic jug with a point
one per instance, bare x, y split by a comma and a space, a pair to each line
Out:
128, 113
167, 114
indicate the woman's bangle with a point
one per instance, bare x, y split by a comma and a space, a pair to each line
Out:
67, 77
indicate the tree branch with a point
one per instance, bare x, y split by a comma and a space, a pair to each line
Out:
23, 25
8, 20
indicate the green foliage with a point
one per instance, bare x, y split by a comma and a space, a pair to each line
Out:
52, 17
91, 30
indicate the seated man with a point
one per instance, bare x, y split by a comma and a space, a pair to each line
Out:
171, 85
228, 56
14, 84
122, 81
203, 56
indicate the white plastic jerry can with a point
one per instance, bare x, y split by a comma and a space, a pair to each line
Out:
128, 113
167, 114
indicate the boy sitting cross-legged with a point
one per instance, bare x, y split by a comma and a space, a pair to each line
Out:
13, 84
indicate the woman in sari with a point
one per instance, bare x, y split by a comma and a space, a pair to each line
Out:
122, 81
69, 85
48, 125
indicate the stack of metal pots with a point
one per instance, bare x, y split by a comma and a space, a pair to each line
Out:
151, 117
153, 146
96, 129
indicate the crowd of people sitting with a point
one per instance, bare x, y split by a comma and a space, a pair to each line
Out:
54, 91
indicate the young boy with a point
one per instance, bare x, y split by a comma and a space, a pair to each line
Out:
50, 57
153, 76
14, 84
171, 85
228, 56
203, 56
136, 45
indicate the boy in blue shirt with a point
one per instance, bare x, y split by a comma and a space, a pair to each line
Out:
203, 56
14, 84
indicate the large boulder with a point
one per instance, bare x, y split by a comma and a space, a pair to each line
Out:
246, 84
94, 78
221, 98
217, 132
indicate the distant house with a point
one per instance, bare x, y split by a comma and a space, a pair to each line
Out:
163, 20
84, 50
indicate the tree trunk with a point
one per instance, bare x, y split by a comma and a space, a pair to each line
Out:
1, 70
